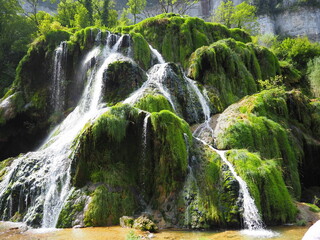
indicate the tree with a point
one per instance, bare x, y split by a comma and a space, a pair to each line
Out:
88, 5
105, 13
314, 76
178, 6
124, 20
136, 7
240, 16
72, 13
16, 32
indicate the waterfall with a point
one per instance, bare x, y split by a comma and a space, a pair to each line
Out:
43, 177
251, 217
58, 78
156, 76
157, 55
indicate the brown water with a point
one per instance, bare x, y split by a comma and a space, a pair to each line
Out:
118, 233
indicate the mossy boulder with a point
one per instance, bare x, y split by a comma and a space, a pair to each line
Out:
266, 186
72, 211
230, 70
143, 223
150, 171
154, 103
120, 79
171, 140
176, 36
263, 123
126, 222
211, 192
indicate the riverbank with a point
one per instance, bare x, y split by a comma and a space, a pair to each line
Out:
17, 231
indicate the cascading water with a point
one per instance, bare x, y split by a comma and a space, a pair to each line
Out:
156, 75
42, 178
251, 217
58, 78
159, 57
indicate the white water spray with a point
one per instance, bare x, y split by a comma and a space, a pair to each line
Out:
58, 78
45, 174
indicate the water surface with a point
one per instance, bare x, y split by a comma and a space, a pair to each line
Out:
118, 233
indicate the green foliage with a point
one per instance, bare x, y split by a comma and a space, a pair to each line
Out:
266, 185
314, 76
80, 14
297, 51
106, 207
230, 70
242, 15
154, 103
290, 74
124, 20
177, 6
142, 53
251, 127
177, 37
55, 37
113, 123
313, 208
273, 82
132, 236
16, 32
135, 7
171, 149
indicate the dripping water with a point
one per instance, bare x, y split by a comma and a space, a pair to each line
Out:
58, 78
45, 173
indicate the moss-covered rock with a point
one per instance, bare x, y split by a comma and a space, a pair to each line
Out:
143, 223
170, 149
154, 103
266, 186
229, 70
263, 123
176, 36
72, 211
211, 192
120, 79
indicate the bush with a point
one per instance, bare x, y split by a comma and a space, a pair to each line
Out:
314, 76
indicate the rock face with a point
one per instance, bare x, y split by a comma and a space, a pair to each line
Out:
132, 150
288, 18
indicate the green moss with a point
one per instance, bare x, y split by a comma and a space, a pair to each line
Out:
120, 74
291, 75
107, 206
55, 37
266, 186
218, 191
3, 165
171, 149
229, 69
260, 123
73, 207
176, 36
113, 123
142, 53
84, 38
153, 103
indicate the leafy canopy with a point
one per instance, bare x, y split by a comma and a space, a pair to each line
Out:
240, 16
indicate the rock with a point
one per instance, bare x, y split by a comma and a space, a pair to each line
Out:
145, 224
126, 222
78, 226
313, 233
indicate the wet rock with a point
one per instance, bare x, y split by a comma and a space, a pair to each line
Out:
126, 222
145, 224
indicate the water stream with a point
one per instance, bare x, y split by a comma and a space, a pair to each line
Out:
58, 78
42, 178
